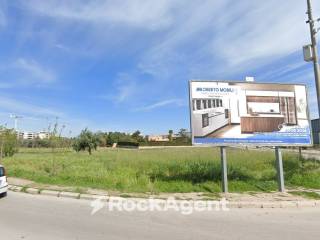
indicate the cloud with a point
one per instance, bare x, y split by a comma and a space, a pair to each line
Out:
23, 72
125, 87
156, 46
36, 117
62, 47
221, 38
151, 15
260, 30
212, 36
3, 14
218, 33
22, 107
34, 72
284, 70
163, 103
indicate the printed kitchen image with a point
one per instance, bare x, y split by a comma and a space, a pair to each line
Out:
240, 110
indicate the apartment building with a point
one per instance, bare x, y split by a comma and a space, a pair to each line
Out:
33, 135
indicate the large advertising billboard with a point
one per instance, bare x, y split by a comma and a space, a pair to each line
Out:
249, 113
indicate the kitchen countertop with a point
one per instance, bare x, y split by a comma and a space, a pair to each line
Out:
265, 116
209, 110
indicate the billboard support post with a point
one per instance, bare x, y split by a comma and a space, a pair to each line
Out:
224, 170
279, 166
300, 153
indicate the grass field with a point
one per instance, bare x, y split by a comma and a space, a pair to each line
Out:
161, 170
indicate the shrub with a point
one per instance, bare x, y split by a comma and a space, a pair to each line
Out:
8, 142
128, 144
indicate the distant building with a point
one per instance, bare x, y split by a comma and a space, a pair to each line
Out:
315, 123
33, 135
159, 138
43, 135
177, 135
26, 135
165, 137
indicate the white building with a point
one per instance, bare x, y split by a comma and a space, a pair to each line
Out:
158, 138
33, 135
165, 137
43, 135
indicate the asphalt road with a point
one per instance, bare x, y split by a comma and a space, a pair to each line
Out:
24, 216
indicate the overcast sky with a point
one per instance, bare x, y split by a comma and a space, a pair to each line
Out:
125, 64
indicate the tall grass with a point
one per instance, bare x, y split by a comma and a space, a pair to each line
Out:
162, 170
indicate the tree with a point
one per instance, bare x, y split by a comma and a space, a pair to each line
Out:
183, 133
115, 137
170, 135
183, 136
102, 138
55, 138
136, 136
86, 141
8, 142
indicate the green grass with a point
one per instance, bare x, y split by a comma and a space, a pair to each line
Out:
161, 170
310, 195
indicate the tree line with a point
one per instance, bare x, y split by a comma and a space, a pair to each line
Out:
89, 141
85, 141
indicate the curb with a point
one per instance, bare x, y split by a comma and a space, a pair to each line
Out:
232, 205
49, 193
32, 190
69, 195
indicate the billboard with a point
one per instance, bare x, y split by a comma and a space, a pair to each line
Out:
249, 113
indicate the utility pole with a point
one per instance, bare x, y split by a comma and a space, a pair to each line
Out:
313, 32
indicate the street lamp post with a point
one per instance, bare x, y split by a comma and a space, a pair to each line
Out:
315, 59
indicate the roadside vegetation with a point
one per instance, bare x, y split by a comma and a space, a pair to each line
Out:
310, 195
8, 142
161, 170
86, 162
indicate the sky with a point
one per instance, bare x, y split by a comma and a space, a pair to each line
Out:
124, 65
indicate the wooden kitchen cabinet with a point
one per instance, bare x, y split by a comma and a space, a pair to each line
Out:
251, 124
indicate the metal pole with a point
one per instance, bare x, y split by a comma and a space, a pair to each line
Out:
279, 169
300, 153
16, 124
224, 169
313, 33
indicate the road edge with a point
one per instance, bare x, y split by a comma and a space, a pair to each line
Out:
230, 204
